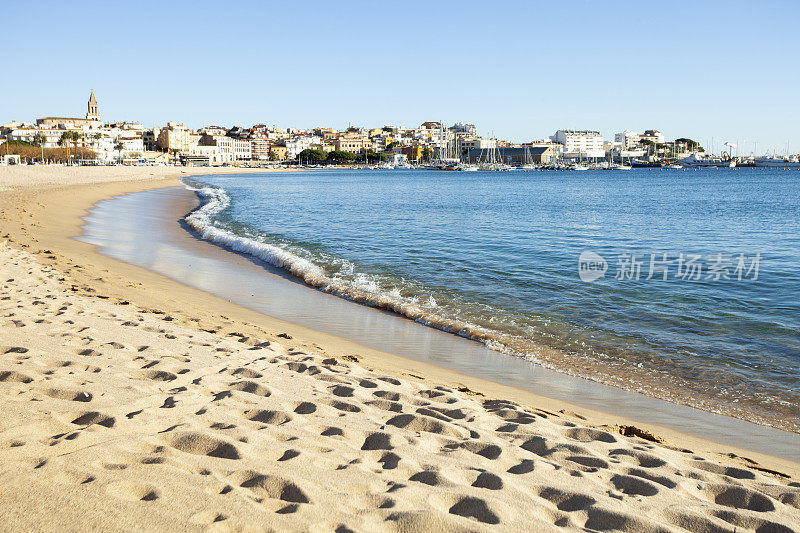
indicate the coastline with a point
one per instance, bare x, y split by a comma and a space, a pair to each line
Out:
161, 245
69, 219
44, 220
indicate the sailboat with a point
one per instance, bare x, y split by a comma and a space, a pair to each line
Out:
527, 161
579, 165
493, 160
447, 159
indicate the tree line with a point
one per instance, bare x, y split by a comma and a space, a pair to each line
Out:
338, 157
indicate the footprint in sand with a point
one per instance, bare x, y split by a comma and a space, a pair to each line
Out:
14, 377
133, 491
90, 418
198, 443
71, 395
251, 387
156, 375
269, 486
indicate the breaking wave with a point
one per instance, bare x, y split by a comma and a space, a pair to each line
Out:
362, 288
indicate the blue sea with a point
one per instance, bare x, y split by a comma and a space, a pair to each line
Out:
566, 269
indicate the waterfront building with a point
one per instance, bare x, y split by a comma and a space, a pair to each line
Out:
51, 135
299, 143
230, 149
353, 142
580, 143
259, 143
242, 150
202, 155
176, 138
414, 152
539, 155
627, 140
397, 160
465, 144
278, 151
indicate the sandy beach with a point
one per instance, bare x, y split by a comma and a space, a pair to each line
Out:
131, 401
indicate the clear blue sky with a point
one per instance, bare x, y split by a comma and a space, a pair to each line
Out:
521, 69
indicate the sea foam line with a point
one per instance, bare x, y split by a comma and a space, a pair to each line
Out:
216, 200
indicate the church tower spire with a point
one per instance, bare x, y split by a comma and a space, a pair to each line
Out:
93, 112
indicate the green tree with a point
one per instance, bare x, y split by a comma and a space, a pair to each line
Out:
340, 156
372, 156
69, 137
309, 155
691, 145
118, 147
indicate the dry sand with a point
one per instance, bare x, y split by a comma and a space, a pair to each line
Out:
131, 402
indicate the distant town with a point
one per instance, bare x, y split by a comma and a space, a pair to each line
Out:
90, 141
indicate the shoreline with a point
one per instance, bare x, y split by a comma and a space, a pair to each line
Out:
170, 292
543, 354
391, 335
44, 222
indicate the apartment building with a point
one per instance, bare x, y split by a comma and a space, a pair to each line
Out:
177, 138
230, 149
465, 144
297, 144
352, 142
51, 135
150, 139
242, 150
654, 136
580, 143
627, 140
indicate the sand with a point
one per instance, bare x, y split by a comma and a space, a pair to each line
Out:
130, 401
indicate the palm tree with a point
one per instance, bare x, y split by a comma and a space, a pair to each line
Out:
118, 147
68, 136
64, 140
38, 140
75, 138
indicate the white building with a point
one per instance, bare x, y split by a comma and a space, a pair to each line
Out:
627, 140
397, 160
28, 133
299, 143
242, 150
465, 144
653, 136
468, 129
213, 155
225, 152
580, 143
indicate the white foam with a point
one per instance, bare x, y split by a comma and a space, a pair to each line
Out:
362, 288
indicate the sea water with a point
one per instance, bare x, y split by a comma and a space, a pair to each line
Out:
680, 284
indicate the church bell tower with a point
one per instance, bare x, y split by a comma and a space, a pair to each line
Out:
93, 113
